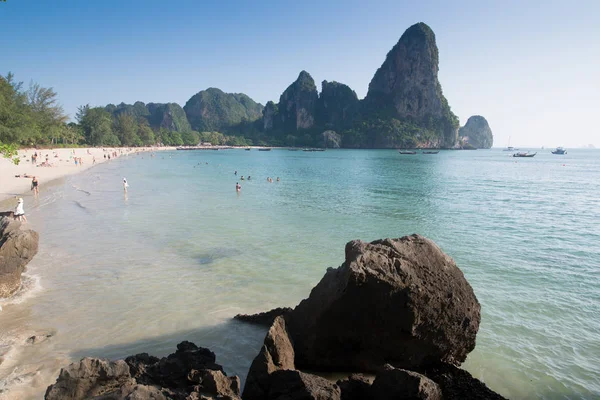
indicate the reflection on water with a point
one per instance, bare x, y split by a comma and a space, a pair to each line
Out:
180, 253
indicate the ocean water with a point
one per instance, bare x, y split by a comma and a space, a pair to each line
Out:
181, 253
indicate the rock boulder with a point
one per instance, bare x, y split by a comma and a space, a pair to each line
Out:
189, 373
17, 247
398, 301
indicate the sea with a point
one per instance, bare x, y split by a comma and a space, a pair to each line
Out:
181, 253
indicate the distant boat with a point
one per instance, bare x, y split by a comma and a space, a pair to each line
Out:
509, 147
430, 152
267, 149
559, 150
248, 149
407, 152
525, 154
313, 149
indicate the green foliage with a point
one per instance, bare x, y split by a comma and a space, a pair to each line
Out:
9, 151
214, 110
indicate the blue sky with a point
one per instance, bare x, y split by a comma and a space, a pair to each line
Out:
532, 68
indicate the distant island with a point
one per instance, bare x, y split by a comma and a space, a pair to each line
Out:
404, 108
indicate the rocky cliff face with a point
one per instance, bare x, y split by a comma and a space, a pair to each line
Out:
169, 116
477, 133
337, 105
406, 85
270, 114
214, 110
297, 104
17, 248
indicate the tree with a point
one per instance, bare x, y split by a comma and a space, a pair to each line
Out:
145, 133
190, 138
125, 127
97, 127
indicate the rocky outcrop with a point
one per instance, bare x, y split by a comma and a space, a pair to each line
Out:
190, 373
337, 106
169, 116
214, 110
17, 247
270, 113
331, 140
398, 301
264, 318
477, 133
393, 383
406, 86
297, 104
398, 307
277, 353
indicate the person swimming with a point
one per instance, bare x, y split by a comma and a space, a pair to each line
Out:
125, 184
242, 178
238, 187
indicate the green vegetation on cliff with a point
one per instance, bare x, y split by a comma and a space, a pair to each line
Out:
213, 109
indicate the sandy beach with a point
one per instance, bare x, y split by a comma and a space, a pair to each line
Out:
15, 180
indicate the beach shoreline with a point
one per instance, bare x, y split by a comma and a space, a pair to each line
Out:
15, 180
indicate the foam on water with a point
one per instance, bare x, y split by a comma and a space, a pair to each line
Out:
181, 253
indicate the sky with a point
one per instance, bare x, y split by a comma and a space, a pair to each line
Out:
531, 68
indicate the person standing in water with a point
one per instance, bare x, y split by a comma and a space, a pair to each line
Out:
238, 187
34, 186
125, 184
20, 212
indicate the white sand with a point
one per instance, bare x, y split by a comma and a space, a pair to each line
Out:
62, 164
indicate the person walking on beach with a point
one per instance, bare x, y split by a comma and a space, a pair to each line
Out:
125, 184
20, 212
34, 186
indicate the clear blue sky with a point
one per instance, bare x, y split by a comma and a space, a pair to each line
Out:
532, 68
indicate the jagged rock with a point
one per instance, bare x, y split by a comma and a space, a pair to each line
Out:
91, 378
210, 382
277, 353
189, 373
297, 104
331, 140
264, 318
458, 384
399, 301
355, 387
17, 247
337, 104
477, 133
270, 113
172, 371
406, 86
296, 385
400, 384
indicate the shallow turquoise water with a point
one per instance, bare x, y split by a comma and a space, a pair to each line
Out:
183, 252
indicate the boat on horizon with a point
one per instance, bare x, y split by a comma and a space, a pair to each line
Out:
524, 154
406, 152
248, 149
559, 150
265, 149
509, 147
431, 152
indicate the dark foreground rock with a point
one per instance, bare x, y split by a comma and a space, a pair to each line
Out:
17, 247
398, 307
457, 384
264, 318
190, 373
398, 301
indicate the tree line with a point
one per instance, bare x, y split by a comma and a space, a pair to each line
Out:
32, 116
